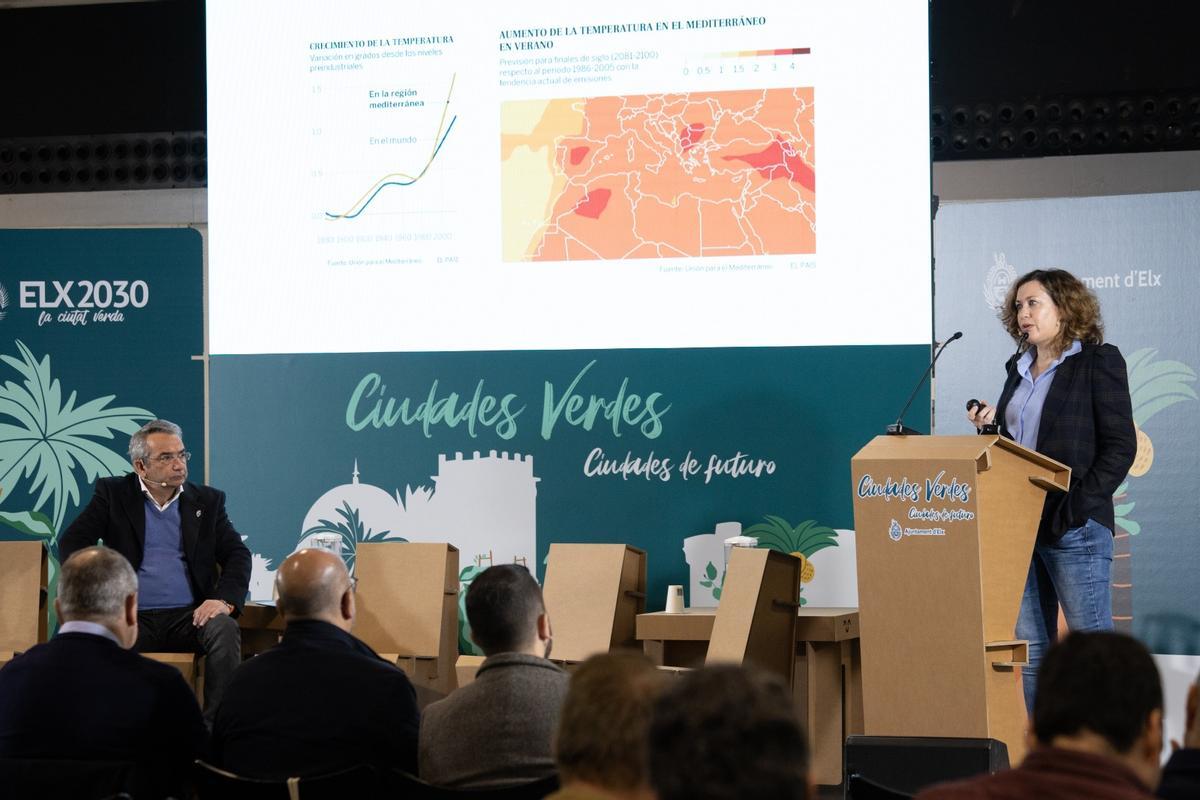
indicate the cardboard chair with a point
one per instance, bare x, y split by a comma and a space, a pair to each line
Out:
593, 594
408, 608
945, 528
23, 579
756, 621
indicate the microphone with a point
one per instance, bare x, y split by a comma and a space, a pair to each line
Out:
1012, 361
898, 427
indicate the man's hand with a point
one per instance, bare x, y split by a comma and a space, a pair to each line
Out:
207, 610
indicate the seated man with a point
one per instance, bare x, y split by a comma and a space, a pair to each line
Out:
84, 695
176, 534
497, 731
601, 745
1097, 721
727, 732
320, 700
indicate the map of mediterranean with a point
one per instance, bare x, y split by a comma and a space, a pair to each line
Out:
659, 176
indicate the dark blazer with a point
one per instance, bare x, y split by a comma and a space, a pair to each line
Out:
117, 514
81, 696
1181, 775
317, 702
1087, 424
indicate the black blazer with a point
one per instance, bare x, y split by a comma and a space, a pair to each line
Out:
117, 514
81, 696
1087, 424
317, 702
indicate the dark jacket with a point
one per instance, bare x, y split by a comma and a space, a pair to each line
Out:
117, 514
1087, 424
81, 696
317, 702
498, 730
1181, 775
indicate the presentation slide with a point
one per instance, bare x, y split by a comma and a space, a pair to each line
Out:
526, 175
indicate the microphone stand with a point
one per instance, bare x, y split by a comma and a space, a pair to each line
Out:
898, 428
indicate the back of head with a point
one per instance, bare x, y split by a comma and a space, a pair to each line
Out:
94, 584
1103, 683
605, 721
728, 732
310, 584
503, 605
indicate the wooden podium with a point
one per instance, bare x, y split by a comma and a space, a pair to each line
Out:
945, 528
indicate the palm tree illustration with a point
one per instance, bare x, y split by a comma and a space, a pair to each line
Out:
48, 442
1154, 385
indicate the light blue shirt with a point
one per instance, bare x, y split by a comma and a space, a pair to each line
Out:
1023, 414
93, 628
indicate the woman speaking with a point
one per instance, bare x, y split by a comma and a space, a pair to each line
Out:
1066, 396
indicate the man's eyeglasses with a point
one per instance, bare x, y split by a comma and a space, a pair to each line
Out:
167, 458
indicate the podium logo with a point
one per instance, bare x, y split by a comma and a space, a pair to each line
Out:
895, 531
3, 302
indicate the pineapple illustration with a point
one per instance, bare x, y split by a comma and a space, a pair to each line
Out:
801, 541
1153, 386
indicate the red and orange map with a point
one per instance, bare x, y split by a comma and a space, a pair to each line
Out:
659, 176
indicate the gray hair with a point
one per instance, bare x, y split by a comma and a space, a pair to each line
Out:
94, 583
137, 442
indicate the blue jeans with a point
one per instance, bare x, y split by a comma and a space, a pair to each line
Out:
1076, 572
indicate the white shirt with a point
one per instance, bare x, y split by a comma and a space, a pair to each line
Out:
164, 506
93, 628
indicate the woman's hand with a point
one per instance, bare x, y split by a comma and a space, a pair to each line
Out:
982, 414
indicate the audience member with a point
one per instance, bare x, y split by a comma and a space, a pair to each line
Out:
498, 730
1181, 776
1097, 722
192, 568
728, 732
320, 700
85, 695
601, 745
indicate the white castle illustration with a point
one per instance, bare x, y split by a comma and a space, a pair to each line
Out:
485, 505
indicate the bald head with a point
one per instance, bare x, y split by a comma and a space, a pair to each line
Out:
314, 584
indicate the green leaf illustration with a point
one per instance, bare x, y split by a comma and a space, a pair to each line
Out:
710, 571
806, 538
52, 438
1131, 527
31, 523
465, 645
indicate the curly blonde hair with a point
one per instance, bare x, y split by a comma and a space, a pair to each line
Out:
1078, 308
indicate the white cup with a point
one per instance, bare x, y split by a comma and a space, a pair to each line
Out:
675, 599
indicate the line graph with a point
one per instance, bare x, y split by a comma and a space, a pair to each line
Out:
402, 178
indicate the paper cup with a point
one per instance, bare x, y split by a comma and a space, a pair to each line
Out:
675, 599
